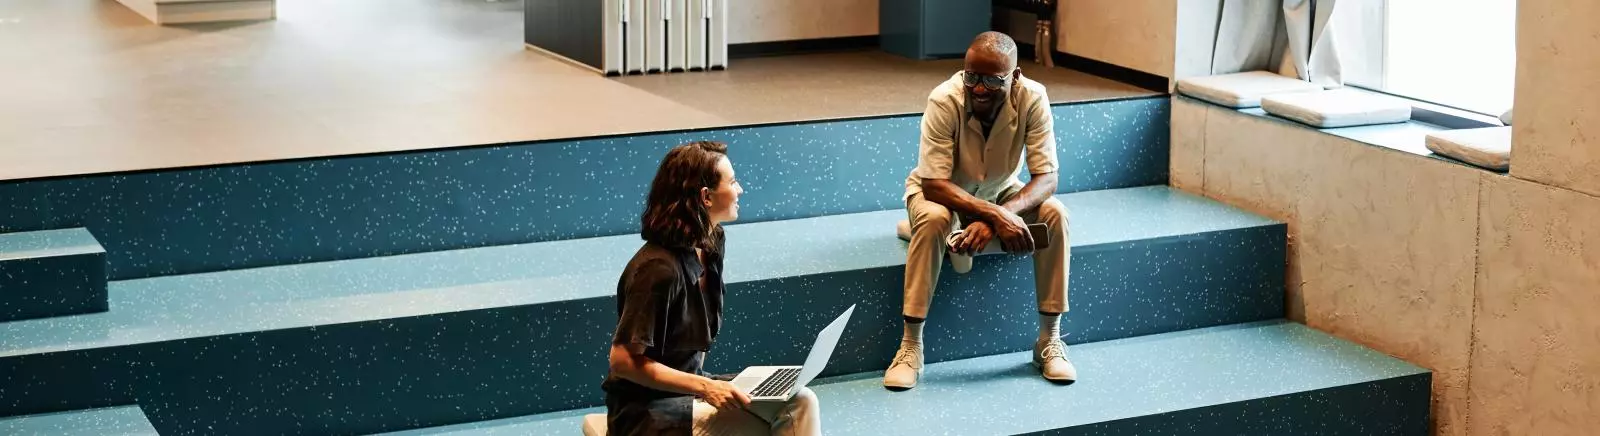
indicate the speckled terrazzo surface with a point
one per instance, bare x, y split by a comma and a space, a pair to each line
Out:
1260, 378
109, 421
51, 273
47, 243
167, 308
568, 422
489, 333
253, 215
1117, 380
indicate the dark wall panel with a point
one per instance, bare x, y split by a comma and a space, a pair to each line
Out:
569, 28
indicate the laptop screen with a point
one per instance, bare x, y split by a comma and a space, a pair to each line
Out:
823, 349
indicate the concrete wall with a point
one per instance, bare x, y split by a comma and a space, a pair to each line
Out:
1142, 35
1172, 39
1382, 243
1558, 98
1167, 38
1536, 363
1536, 366
1490, 280
783, 20
1135, 34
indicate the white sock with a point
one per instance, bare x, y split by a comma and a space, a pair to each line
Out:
913, 333
1049, 327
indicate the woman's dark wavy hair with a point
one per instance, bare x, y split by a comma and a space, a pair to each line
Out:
674, 217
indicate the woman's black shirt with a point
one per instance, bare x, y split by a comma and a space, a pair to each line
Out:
669, 306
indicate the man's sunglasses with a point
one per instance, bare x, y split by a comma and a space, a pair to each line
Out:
989, 82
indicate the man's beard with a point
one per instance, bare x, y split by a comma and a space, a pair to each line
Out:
991, 110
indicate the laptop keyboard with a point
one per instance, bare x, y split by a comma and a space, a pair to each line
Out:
778, 384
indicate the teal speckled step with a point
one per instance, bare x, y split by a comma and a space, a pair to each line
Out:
1268, 378
108, 421
406, 341
260, 214
51, 273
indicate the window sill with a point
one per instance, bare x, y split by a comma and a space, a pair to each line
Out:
1408, 137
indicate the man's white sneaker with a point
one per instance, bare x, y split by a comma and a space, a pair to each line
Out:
1051, 359
905, 369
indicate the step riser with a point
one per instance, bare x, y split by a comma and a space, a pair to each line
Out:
210, 219
475, 365
51, 273
57, 382
356, 378
1116, 291
1269, 378
119, 421
40, 288
1393, 407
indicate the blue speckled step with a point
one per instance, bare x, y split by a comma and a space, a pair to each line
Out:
51, 273
194, 220
108, 421
1269, 378
405, 341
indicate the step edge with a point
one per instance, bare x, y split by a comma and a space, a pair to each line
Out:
1410, 372
542, 299
132, 410
576, 415
82, 242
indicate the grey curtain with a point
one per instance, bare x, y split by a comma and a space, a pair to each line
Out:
1250, 37
1290, 37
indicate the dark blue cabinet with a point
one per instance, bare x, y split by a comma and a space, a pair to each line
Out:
931, 29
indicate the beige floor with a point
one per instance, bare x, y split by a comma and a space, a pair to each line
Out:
805, 87
87, 86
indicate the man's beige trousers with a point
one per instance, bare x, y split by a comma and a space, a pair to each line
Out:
931, 223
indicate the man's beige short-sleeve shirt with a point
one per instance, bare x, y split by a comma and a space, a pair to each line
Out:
954, 148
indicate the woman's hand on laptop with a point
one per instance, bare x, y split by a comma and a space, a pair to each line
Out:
723, 395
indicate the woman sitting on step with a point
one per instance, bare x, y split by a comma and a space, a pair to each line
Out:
669, 304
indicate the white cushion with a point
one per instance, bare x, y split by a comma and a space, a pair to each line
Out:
1337, 108
1242, 90
1506, 117
1488, 147
594, 424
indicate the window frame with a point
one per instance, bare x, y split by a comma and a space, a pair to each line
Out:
1369, 30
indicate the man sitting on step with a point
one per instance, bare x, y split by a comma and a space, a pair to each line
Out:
978, 128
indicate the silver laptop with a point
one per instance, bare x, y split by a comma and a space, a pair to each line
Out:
779, 383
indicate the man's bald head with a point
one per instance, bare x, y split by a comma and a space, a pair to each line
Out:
993, 47
990, 69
